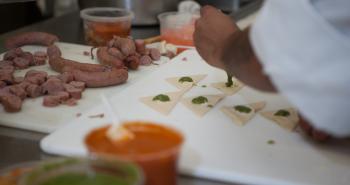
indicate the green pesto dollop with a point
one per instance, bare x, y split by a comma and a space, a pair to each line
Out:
242, 108
84, 179
161, 97
282, 112
270, 142
185, 79
229, 82
199, 100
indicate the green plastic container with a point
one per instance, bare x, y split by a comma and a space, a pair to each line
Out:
80, 171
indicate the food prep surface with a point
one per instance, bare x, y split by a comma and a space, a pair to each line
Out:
21, 145
261, 151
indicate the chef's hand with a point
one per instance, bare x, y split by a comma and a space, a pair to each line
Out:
223, 45
315, 134
212, 33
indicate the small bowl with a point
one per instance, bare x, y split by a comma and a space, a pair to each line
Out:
102, 23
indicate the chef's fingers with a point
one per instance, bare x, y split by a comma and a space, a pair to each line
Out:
319, 135
200, 25
305, 126
309, 130
196, 33
207, 10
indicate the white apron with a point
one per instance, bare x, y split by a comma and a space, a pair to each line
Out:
308, 59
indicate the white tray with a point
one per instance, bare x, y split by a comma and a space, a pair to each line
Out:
216, 148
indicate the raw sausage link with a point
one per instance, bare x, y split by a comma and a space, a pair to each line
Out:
116, 53
140, 46
57, 63
31, 38
105, 58
125, 45
145, 60
101, 79
154, 54
53, 51
132, 62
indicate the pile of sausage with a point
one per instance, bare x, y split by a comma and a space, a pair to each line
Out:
57, 89
126, 52
115, 59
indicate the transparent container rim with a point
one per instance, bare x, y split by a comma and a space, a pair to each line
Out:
164, 14
80, 160
84, 14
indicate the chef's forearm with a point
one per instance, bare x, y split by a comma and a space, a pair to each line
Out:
239, 60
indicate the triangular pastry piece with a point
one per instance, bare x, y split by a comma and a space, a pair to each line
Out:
258, 106
163, 102
185, 82
241, 114
200, 105
286, 118
221, 86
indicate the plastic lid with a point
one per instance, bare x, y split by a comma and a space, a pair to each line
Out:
106, 14
189, 7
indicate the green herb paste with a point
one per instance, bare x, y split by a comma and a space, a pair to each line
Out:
282, 112
229, 82
161, 97
199, 100
243, 109
185, 79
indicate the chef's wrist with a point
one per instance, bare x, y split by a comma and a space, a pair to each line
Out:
236, 50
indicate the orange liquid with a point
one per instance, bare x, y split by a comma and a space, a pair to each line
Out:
172, 36
155, 148
99, 33
179, 36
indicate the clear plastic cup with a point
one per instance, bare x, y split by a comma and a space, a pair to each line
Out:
159, 165
102, 23
76, 171
12, 174
177, 28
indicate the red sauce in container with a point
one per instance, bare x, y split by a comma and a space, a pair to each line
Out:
155, 148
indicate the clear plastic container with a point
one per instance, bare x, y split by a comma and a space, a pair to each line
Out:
76, 171
102, 23
177, 28
155, 148
12, 174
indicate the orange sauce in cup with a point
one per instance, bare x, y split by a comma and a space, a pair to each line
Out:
155, 148
99, 33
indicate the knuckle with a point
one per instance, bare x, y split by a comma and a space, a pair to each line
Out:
206, 9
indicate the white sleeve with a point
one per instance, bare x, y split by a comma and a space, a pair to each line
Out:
308, 60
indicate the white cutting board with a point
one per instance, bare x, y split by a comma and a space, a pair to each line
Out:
36, 117
216, 148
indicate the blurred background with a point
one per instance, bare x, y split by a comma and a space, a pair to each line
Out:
19, 13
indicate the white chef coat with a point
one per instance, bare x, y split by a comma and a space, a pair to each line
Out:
304, 47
